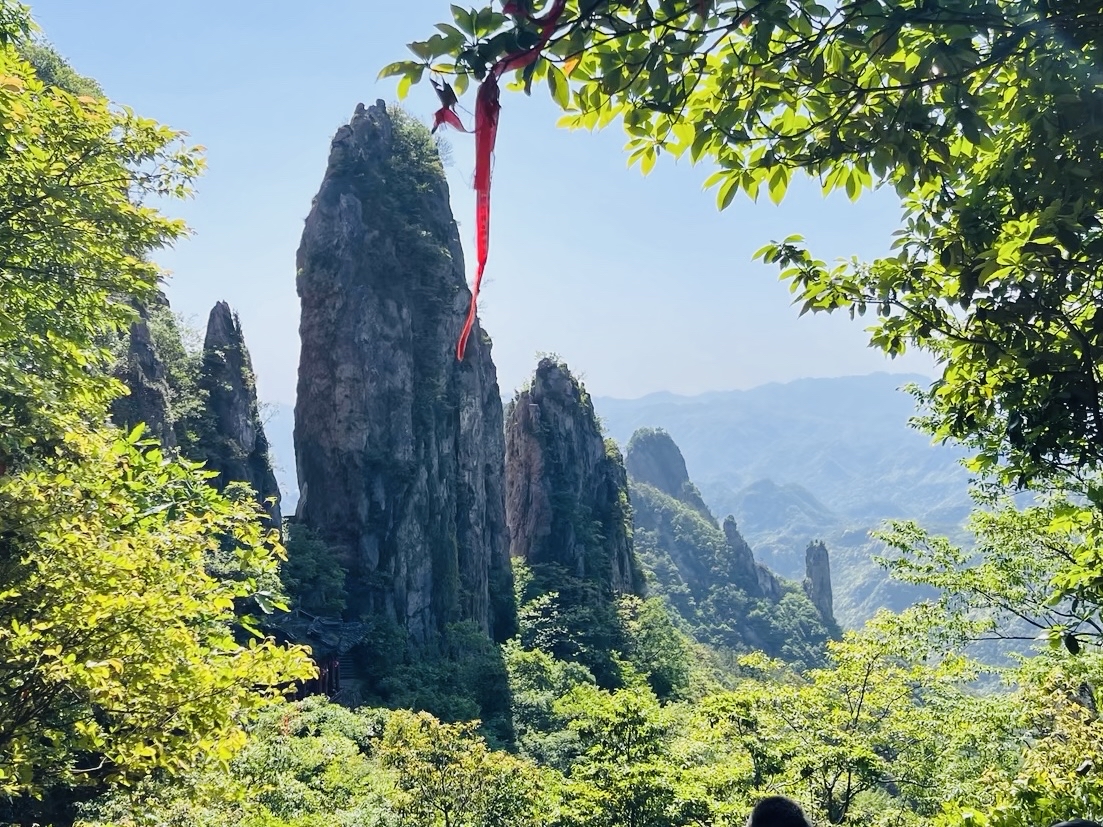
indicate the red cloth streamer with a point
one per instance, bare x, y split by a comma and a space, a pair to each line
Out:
486, 132
448, 116
487, 107
447, 112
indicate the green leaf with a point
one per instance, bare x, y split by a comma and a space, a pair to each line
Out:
727, 191
853, 187
778, 184
401, 67
488, 21
701, 141
464, 19
452, 35
408, 79
766, 253
421, 49
558, 85
716, 178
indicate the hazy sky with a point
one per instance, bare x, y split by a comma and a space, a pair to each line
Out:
639, 283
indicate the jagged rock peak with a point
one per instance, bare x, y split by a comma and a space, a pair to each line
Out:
236, 447
399, 447
817, 581
566, 488
653, 458
752, 576
141, 369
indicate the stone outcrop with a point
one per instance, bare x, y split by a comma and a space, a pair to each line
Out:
202, 405
233, 442
399, 446
817, 580
654, 459
753, 577
566, 488
708, 572
140, 368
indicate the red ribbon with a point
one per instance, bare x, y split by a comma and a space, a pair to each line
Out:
487, 107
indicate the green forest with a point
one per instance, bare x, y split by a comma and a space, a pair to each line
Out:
492, 617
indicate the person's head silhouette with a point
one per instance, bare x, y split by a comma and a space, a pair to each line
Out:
779, 811
1077, 822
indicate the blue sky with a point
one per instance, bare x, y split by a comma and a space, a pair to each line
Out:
639, 283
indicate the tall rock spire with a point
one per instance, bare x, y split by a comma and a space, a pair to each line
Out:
234, 444
142, 370
399, 447
817, 581
566, 488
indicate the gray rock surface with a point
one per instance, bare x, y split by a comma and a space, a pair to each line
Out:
817, 580
399, 446
566, 488
654, 459
140, 368
234, 444
753, 577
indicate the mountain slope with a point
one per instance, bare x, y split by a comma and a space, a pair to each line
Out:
812, 459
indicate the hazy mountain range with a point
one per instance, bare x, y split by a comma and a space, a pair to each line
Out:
822, 459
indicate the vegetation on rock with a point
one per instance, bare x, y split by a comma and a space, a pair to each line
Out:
570, 521
708, 574
722, 606
399, 447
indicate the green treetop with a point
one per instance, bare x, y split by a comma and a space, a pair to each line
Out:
74, 235
986, 116
123, 575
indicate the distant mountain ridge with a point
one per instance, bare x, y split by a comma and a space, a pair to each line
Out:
811, 459
822, 434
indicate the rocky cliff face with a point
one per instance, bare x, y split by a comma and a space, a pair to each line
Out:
704, 558
140, 368
203, 404
234, 444
652, 458
399, 447
752, 576
709, 572
566, 488
817, 581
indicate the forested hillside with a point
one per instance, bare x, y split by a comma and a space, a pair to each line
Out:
124, 571
709, 575
826, 459
490, 615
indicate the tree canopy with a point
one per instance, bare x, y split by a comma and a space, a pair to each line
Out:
125, 579
127, 652
75, 232
986, 116
117, 650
